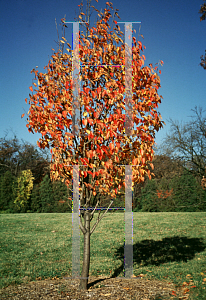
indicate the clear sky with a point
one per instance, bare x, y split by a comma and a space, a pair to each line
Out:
172, 32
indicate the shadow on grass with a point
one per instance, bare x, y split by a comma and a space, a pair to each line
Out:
151, 252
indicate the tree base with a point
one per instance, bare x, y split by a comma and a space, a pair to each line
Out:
83, 284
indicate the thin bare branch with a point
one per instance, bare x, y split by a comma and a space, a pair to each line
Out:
98, 220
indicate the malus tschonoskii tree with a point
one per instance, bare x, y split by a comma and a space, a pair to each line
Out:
102, 145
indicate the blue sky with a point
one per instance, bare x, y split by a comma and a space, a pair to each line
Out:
172, 32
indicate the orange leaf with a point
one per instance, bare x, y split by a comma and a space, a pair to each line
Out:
31, 88
64, 113
22, 115
86, 90
118, 145
90, 121
98, 90
135, 161
107, 164
93, 94
111, 146
84, 122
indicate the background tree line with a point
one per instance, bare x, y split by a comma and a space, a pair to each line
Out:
25, 184
179, 165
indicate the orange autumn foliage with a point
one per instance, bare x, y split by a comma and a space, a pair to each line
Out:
102, 145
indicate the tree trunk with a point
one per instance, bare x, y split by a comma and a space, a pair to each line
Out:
86, 258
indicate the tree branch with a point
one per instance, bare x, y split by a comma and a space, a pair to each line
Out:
98, 220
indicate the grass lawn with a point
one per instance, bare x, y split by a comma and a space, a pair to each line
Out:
166, 246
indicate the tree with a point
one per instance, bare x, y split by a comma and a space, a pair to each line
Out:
148, 198
187, 143
187, 193
101, 142
16, 156
8, 151
165, 168
35, 203
6, 191
46, 195
29, 157
61, 195
23, 190
202, 11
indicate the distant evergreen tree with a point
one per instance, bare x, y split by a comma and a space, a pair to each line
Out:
46, 195
35, 199
61, 195
149, 200
6, 191
165, 194
202, 202
187, 193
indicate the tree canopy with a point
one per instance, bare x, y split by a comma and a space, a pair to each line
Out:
102, 145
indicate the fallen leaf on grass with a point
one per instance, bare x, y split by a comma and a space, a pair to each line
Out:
186, 291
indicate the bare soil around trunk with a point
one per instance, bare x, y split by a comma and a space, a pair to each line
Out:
99, 288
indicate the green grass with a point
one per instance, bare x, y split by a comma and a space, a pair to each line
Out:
166, 246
